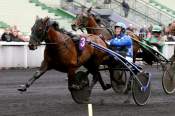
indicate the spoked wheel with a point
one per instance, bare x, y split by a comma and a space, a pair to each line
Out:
140, 93
81, 96
168, 79
118, 81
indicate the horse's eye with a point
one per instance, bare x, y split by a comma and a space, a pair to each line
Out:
84, 18
40, 28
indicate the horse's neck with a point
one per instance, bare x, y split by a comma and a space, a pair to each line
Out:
58, 42
92, 27
54, 36
172, 31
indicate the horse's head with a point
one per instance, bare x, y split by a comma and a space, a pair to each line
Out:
82, 20
172, 28
38, 32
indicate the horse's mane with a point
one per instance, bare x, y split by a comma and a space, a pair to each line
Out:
101, 21
55, 25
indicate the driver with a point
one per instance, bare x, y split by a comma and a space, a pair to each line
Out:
121, 42
155, 41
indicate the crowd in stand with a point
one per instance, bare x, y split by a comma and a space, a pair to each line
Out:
13, 34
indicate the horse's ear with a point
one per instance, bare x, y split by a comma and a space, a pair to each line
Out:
82, 9
89, 10
37, 17
55, 25
97, 19
45, 20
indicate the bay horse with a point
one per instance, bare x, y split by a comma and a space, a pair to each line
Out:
61, 53
94, 25
88, 21
170, 29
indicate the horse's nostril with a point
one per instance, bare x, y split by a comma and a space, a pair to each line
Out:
31, 47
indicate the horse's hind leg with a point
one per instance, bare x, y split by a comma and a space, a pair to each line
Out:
72, 81
103, 85
94, 81
128, 91
129, 98
97, 77
36, 75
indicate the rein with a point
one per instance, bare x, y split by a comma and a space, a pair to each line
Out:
48, 44
94, 27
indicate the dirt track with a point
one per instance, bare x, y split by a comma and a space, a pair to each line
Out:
49, 96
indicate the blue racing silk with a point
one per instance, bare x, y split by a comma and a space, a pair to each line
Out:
122, 43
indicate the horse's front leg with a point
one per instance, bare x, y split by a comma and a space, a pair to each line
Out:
36, 75
97, 77
103, 85
72, 83
128, 91
94, 81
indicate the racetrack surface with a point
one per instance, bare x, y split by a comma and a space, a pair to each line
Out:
49, 96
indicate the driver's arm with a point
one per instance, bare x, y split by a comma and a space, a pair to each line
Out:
125, 41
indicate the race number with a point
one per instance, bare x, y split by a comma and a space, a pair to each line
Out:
82, 43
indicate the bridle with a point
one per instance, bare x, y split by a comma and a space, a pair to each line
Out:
43, 34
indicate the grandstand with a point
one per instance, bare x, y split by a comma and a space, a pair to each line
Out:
23, 12
164, 5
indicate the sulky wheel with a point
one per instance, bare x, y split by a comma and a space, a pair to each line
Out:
118, 81
140, 93
81, 96
168, 79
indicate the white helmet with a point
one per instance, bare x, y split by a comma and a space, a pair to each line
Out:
120, 24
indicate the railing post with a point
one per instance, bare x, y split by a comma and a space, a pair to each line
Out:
25, 56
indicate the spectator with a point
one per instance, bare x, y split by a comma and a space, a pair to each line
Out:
1, 32
150, 28
6, 35
70, 6
15, 31
70, 0
13, 34
143, 32
169, 35
107, 3
130, 28
156, 41
126, 8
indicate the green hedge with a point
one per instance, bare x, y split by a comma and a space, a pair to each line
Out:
3, 25
56, 11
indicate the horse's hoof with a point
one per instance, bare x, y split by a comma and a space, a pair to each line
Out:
74, 87
127, 101
108, 86
126, 91
22, 88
